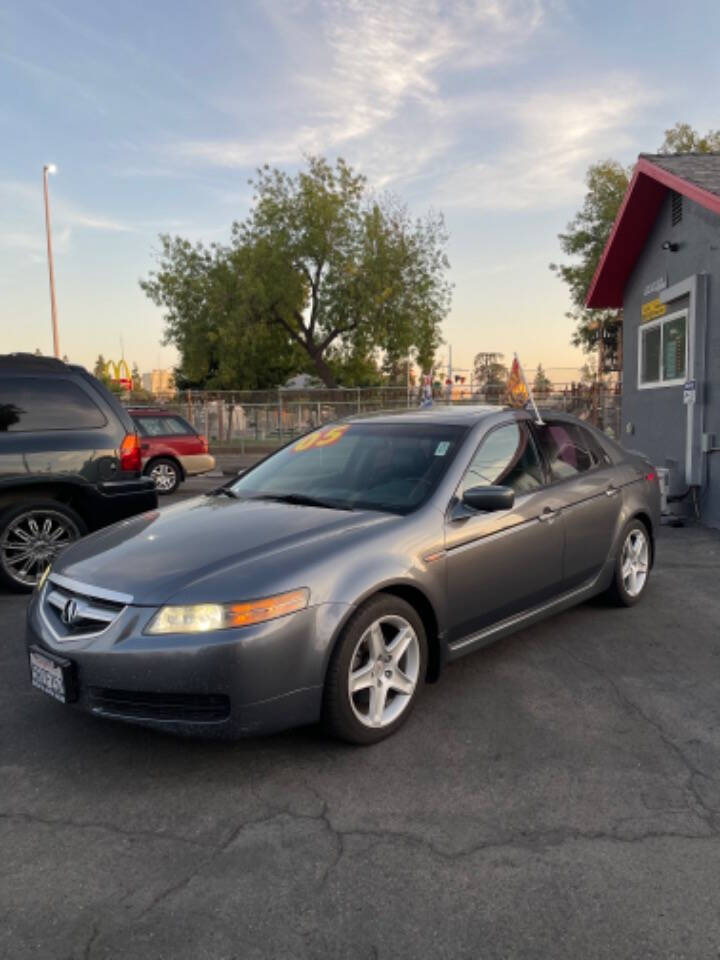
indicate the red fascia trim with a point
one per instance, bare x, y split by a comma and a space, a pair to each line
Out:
629, 233
610, 241
711, 201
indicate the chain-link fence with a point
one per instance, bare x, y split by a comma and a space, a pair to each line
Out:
267, 418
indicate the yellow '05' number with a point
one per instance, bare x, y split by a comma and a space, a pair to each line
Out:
321, 438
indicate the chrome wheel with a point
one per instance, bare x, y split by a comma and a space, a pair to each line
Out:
32, 540
164, 477
635, 561
384, 671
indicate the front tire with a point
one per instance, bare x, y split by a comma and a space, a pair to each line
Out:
31, 536
376, 671
165, 474
632, 567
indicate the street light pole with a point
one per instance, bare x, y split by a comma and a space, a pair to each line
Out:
51, 168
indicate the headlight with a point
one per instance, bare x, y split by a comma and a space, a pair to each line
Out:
203, 617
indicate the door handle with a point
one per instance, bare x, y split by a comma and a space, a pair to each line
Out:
611, 491
548, 515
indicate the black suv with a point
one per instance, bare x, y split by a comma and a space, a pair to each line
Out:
69, 463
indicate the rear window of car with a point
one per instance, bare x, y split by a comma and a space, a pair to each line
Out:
34, 404
569, 450
151, 426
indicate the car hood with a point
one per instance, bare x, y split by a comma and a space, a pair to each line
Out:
216, 540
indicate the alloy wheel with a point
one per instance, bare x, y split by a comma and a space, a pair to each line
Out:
164, 477
32, 540
635, 562
384, 671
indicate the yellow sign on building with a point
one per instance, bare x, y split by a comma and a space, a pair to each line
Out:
653, 309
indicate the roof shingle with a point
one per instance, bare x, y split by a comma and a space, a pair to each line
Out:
702, 169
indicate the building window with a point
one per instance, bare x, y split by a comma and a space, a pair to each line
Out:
662, 354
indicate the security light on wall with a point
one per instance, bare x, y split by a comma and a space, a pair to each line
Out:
669, 245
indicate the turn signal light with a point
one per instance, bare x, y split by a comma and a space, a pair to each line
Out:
130, 457
256, 611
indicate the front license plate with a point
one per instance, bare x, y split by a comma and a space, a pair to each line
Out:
52, 675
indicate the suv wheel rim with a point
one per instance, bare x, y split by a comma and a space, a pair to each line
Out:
163, 476
32, 541
384, 670
635, 562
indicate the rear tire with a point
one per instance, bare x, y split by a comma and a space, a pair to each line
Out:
31, 536
376, 671
165, 474
632, 566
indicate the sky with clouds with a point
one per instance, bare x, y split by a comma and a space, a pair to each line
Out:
156, 115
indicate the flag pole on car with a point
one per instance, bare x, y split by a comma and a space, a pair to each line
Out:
519, 392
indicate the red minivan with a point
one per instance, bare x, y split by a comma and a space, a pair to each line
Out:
171, 449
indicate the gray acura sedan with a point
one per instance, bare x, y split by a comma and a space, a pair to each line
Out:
337, 576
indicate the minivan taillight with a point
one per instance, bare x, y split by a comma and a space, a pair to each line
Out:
203, 441
130, 458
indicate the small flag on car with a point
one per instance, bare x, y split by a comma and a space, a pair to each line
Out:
518, 391
518, 394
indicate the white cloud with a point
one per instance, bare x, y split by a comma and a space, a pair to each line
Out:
552, 137
34, 243
28, 196
372, 63
411, 91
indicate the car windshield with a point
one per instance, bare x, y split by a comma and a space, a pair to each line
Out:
375, 466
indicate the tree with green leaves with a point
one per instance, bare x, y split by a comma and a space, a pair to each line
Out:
99, 370
587, 233
542, 384
489, 374
319, 274
683, 139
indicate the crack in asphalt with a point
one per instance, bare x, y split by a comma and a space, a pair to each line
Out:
94, 934
98, 825
700, 806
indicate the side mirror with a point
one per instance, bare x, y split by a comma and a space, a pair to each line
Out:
489, 498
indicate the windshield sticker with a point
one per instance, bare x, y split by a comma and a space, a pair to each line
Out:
322, 438
442, 448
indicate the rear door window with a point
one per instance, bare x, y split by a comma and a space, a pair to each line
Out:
33, 404
163, 426
566, 449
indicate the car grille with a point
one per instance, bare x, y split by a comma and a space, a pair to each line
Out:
72, 614
168, 707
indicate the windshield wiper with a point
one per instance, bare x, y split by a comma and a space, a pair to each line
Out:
223, 492
303, 500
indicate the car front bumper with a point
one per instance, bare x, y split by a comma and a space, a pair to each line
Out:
229, 683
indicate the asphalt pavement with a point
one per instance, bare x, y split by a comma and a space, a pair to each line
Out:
555, 796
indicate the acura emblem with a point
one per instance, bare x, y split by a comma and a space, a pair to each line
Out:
70, 612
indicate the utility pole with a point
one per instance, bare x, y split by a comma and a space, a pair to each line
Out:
51, 168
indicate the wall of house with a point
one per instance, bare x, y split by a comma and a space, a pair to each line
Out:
654, 421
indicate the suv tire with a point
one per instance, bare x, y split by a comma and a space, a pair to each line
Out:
32, 534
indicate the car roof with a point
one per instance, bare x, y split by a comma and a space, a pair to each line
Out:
458, 415
152, 412
461, 415
30, 363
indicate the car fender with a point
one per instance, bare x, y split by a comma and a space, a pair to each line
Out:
392, 574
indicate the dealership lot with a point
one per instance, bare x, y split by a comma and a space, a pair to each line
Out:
556, 795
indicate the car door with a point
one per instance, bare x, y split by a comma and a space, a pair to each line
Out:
582, 479
507, 561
